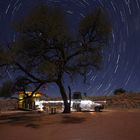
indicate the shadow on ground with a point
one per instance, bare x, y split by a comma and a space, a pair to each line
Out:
72, 119
36, 120
27, 120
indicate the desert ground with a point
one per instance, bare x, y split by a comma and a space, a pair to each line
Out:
110, 124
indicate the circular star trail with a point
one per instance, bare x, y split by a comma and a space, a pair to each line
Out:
121, 65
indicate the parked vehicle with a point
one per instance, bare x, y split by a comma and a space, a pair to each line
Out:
86, 105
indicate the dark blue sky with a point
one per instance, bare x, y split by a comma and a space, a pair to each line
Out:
121, 66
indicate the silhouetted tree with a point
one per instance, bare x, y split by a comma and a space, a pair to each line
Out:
119, 91
45, 51
6, 90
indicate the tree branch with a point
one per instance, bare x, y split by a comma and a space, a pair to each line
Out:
37, 88
89, 49
26, 72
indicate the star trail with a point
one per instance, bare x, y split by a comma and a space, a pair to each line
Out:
121, 65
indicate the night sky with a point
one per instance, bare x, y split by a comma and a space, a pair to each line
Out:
121, 65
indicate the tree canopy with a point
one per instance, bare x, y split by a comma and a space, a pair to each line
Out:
6, 90
45, 51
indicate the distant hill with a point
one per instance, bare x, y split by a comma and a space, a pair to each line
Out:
126, 100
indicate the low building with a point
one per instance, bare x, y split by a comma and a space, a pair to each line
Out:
26, 101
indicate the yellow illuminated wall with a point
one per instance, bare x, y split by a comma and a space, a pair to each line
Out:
26, 103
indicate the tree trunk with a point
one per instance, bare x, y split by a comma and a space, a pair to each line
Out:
69, 95
64, 97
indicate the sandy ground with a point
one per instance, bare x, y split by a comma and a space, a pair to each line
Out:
106, 125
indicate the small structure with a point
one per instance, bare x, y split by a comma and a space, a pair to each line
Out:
26, 101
